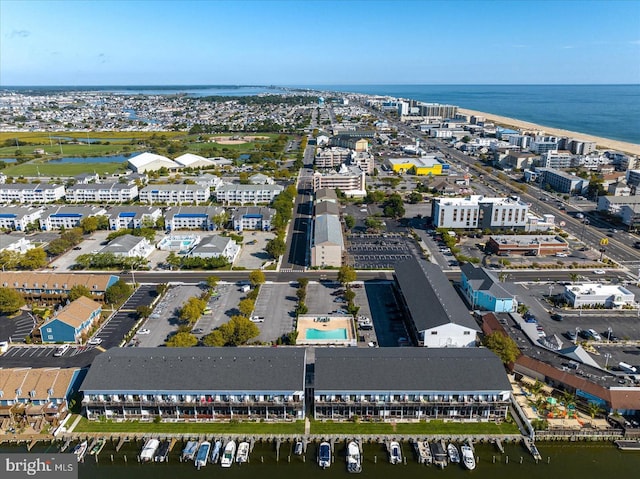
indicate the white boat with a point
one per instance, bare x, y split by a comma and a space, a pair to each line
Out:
215, 452
354, 461
468, 459
203, 454
149, 450
299, 448
97, 447
189, 451
395, 453
228, 454
80, 450
243, 452
453, 453
324, 455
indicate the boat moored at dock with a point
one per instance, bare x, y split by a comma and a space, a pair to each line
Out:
149, 450
453, 453
243, 452
324, 455
468, 458
97, 447
203, 454
228, 454
215, 452
80, 450
395, 453
163, 452
354, 459
189, 451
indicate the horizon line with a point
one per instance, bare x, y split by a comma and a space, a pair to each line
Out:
237, 85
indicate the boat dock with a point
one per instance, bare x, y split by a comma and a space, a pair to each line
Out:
499, 445
531, 447
628, 445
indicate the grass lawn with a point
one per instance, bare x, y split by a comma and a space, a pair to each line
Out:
42, 137
65, 169
425, 428
191, 428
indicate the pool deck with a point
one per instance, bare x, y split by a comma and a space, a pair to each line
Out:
326, 323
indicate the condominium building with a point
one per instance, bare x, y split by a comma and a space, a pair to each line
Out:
349, 179
556, 159
68, 216
131, 217
31, 193
331, 157
101, 192
252, 218
476, 211
174, 194
247, 194
561, 182
18, 217
193, 217
542, 144
363, 160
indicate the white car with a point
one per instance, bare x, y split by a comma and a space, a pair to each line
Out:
257, 319
561, 255
144, 331
599, 271
94, 341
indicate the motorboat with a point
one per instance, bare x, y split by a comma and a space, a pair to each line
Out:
163, 452
243, 452
149, 450
354, 460
203, 454
324, 455
228, 454
395, 453
298, 448
468, 459
453, 453
97, 447
189, 451
80, 450
215, 452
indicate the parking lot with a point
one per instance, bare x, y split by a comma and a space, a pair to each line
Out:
143, 296
373, 251
16, 328
42, 356
114, 331
276, 304
252, 254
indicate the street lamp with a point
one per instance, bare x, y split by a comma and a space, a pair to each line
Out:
609, 331
606, 362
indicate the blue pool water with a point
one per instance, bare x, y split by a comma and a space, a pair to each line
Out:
339, 333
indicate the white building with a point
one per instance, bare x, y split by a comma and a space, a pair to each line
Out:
252, 218
14, 243
192, 217
327, 245
129, 246
189, 160
476, 211
18, 217
216, 247
363, 160
556, 159
31, 193
174, 194
131, 217
260, 179
68, 216
331, 157
207, 180
247, 194
151, 162
587, 295
349, 179
101, 192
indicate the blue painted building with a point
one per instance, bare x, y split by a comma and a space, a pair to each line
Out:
483, 290
68, 324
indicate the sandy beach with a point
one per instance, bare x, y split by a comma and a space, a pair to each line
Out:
603, 143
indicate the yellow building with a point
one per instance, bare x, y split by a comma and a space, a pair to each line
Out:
417, 166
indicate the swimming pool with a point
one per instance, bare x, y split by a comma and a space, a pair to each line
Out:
338, 333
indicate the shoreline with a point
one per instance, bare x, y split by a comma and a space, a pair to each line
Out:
606, 143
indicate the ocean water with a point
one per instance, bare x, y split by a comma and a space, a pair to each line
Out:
609, 111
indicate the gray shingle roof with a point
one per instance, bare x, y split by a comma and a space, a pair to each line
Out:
409, 369
327, 208
431, 299
197, 369
482, 279
122, 244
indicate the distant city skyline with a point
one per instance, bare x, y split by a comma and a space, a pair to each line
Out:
108, 42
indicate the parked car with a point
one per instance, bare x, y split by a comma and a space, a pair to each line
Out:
94, 341
599, 271
144, 331
61, 350
257, 319
571, 334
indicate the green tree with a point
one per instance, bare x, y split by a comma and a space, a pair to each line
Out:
301, 308
237, 331
214, 338
89, 224
414, 197
144, 311
181, 340
9, 259
34, 258
10, 300
303, 282
212, 282
505, 347
246, 306
349, 221
256, 277
118, 292
373, 223
394, 206
192, 309
349, 295
275, 247
301, 294
78, 290
221, 219
594, 409
346, 274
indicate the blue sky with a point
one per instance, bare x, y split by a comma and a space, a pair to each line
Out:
124, 42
